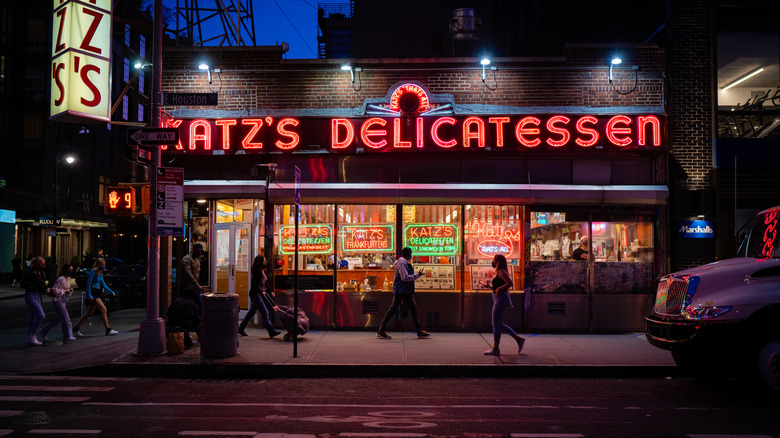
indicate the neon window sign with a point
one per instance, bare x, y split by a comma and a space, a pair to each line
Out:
770, 234
312, 239
432, 239
374, 238
485, 240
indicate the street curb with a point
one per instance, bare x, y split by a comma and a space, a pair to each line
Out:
276, 371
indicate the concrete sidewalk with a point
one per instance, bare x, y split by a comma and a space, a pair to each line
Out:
337, 353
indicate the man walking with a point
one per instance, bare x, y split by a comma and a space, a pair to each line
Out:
403, 292
190, 273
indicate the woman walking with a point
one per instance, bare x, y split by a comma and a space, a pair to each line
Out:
258, 288
96, 287
502, 283
16, 266
59, 300
34, 284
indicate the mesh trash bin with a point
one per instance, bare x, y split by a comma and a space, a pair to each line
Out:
219, 325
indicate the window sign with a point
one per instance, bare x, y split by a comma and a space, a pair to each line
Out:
374, 238
312, 239
486, 239
432, 239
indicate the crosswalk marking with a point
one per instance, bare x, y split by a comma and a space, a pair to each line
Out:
64, 431
73, 378
546, 435
216, 433
9, 412
386, 434
43, 398
5, 432
56, 388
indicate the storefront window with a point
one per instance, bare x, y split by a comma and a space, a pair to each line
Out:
365, 246
623, 255
433, 232
315, 246
491, 230
553, 265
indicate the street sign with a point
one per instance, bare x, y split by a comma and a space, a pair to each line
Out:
190, 99
153, 136
143, 156
45, 220
169, 201
297, 186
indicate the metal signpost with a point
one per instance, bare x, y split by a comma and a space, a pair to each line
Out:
295, 288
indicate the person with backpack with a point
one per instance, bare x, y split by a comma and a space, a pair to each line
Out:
96, 287
34, 284
59, 294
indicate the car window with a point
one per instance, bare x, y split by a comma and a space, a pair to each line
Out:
129, 270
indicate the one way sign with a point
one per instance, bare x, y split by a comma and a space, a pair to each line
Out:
153, 136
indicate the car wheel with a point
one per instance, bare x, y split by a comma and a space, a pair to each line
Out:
768, 365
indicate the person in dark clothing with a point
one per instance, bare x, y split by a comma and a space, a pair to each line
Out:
190, 272
16, 269
183, 313
257, 301
501, 285
403, 293
581, 253
34, 284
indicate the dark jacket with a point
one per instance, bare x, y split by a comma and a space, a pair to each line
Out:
403, 283
34, 281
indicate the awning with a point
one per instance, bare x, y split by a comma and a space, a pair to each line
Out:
382, 193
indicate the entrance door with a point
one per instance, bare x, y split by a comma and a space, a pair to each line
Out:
233, 246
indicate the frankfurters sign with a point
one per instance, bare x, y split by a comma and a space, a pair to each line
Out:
362, 238
432, 239
409, 134
81, 61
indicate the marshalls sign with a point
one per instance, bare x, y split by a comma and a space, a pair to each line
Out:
81, 60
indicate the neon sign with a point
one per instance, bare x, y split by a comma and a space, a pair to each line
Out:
497, 237
415, 133
432, 239
312, 239
419, 105
770, 234
374, 238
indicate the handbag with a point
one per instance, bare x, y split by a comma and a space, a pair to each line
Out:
175, 342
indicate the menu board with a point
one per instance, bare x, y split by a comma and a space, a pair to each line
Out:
441, 277
312, 239
367, 238
482, 276
432, 239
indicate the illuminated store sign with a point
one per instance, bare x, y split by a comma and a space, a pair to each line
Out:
374, 238
407, 134
81, 61
770, 233
312, 239
696, 229
485, 240
432, 239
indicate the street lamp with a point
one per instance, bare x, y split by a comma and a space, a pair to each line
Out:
69, 159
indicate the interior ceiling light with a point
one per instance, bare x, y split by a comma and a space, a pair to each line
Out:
743, 78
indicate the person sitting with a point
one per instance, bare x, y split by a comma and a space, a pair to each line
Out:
581, 253
183, 313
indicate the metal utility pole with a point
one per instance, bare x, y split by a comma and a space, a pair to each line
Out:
151, 338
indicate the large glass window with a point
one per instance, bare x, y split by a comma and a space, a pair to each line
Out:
365, 246
433, 232
315, 245
554, 265
623, 256
491, 230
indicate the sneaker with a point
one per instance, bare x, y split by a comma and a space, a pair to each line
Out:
110, 332
77, 334
274, 333
45, 338
423, 334
32, 340
520, 342
242, 333
68, 339
492, 352
383, 335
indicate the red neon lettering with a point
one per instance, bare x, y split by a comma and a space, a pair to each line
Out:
204, 136
563, 132
294, 137
613, 131
397, 143
582, 129
654, 123
335, 143
409, 88
499, 121
56, 76
366, 132
95, 101
247, 143
420, 132
61, 14
521, 131
225, 124
769, 240
171, 123
479, 135
435, 132
493, 231
96, 18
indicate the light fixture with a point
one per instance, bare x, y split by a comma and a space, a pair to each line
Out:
486, 62
617, 61
201, 201
743, 78
70, 159
141, 64
204, 66
348, 67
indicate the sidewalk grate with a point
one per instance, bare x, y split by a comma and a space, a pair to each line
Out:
37, 417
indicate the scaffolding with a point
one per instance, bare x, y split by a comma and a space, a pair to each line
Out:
219, 23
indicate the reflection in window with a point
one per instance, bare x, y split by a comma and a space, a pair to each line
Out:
552, 241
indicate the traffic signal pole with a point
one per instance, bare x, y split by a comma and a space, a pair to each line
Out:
151, 338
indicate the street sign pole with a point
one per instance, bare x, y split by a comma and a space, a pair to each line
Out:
151, 337
295, 290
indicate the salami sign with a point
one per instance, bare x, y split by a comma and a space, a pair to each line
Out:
373, 238
312, 239
432, 239
81, 61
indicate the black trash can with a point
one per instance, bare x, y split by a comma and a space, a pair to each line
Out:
219, 325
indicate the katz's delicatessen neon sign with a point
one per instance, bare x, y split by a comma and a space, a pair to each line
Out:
418, 133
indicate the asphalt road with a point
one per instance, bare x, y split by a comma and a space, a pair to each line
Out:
308, 408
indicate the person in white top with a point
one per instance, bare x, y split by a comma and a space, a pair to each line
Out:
59, 294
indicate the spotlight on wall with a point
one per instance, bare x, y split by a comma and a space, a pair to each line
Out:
617, 61
352, 71
141, 64
70, 159
204, 66
486, 62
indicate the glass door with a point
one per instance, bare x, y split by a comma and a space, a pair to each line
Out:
232, 262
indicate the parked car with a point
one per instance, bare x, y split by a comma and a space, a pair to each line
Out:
129, 284
725, 316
